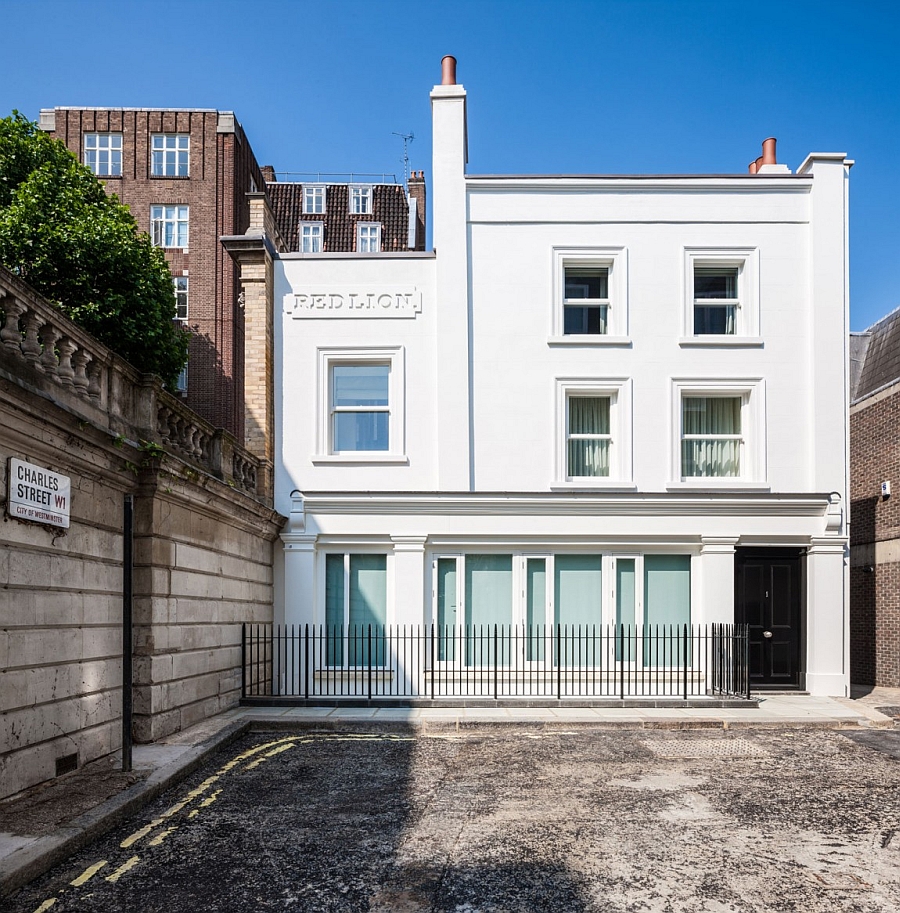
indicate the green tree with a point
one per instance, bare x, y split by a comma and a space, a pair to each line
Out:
80, 248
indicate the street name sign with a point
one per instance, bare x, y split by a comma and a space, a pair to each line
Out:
38, 494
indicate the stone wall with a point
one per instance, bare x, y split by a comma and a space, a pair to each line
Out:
202, 551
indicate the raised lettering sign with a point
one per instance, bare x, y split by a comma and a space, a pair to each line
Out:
37, 494
318, 302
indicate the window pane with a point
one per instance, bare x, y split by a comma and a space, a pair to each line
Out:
587, 282
446, 608
589, 415
536, 608
361, 431
667, 601
368, 606
582, 320
488, 603
712, 415
334, 609
719, 319
709, 456
715, 282
578, 589
712, 459
361, 385
588, 459
625, 603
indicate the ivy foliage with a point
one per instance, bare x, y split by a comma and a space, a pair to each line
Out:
81, 248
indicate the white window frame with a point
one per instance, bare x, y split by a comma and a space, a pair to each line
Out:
181, 284
369, 228
174, 147
752, 392
746, 261
613, 259
327, 359
360, 200
316, 230
99, 151
179, 215
621, 463
314, 199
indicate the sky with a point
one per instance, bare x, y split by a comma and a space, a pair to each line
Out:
571, 86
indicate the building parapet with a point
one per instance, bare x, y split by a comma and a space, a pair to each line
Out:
47, 353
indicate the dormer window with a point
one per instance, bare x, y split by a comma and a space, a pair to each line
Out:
311, 237
368, 238
314, 199
360, 200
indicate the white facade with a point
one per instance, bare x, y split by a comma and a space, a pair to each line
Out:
426, 403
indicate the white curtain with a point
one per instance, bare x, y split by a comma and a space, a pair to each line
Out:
711, 436
589, 439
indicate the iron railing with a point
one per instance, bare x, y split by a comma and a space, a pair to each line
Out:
558, 662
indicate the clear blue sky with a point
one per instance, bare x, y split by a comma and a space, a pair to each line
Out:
612, 86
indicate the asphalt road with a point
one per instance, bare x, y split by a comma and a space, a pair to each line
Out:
508, 821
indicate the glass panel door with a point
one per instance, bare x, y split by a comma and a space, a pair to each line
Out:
626, 609
667, 601
446, 609
578, 607
488, 605
535, 608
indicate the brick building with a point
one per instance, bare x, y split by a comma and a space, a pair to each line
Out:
185, 175
875, 530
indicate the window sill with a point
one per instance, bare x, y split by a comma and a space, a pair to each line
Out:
170, 177
108, 177
713, 484
609, 485
357, 458
715, 342
598, 339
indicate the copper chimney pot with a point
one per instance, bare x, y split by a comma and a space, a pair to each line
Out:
759, 163
752, 167
448, 71
768, 155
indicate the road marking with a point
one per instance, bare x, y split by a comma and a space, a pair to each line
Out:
267, 755
260, 753
87, 874
122, 869
158, 839
138, 835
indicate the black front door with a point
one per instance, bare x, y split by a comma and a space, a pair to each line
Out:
767, 600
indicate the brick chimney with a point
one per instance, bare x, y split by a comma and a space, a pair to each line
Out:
416, 188
268, 173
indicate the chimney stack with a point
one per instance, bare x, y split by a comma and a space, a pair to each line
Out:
268, 173
416, 189
767, 162
448, 71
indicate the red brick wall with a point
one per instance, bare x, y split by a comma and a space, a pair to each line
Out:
221, 165
874, 584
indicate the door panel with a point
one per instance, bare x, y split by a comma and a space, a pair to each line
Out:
767, 600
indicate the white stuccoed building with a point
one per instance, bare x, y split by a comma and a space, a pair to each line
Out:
600, 400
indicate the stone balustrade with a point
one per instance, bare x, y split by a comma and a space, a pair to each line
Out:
41, 348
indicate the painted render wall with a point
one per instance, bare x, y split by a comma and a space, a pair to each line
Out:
486, 369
